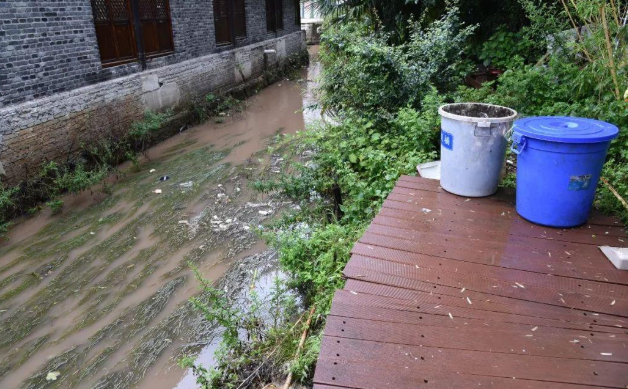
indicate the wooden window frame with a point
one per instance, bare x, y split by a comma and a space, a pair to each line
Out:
274, 8
136, 34
156, 20
233, 12
297, 13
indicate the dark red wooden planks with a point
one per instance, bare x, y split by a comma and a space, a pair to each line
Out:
477, 339
480, 363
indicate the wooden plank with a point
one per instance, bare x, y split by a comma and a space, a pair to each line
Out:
481, 314
488, 340
509, 260
446, 361
503, 195
469, 229
399, 275
545, 252
362, 375
489, 271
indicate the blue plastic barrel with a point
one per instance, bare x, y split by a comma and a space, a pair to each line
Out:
559, 162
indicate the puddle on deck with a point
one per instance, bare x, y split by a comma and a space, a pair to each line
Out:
100, 293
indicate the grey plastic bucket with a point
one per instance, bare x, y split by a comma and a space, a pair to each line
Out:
473, 147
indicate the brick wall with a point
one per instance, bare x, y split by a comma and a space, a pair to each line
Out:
50, 46
54, 127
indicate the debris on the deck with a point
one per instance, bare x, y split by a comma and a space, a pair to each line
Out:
469, 300
613, 303
426, 210
519, 285
534, 329
352, 292
607, 354
463, 289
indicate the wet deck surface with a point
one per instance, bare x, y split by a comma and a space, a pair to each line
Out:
448, 292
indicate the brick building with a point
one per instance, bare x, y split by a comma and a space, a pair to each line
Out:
70, 69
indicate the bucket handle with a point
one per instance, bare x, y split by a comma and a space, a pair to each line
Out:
520, 143
483, 129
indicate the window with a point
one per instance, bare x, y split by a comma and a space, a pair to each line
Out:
156, 26
297, 12
130, 29
274, 15
229, 20
114, 30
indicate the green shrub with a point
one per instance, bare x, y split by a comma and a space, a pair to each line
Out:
363, 73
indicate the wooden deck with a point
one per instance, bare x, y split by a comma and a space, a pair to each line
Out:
447, 292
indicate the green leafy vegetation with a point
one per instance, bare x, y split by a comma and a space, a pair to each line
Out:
255, 341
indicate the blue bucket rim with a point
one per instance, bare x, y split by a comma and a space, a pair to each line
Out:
566, 129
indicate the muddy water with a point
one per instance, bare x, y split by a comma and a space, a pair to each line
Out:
100, 293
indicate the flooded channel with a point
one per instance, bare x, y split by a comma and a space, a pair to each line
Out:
99, 294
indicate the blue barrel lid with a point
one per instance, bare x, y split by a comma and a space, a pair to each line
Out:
566, 129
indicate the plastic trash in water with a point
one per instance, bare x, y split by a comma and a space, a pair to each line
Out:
164, 178
188, 184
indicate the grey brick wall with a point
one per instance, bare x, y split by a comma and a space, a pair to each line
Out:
54, 127
49, 46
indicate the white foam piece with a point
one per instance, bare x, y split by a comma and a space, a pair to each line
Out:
429, 170
617, 255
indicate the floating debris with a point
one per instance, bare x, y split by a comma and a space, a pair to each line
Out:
52, 375
188, 184
152, 171
157, 191
164, 178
